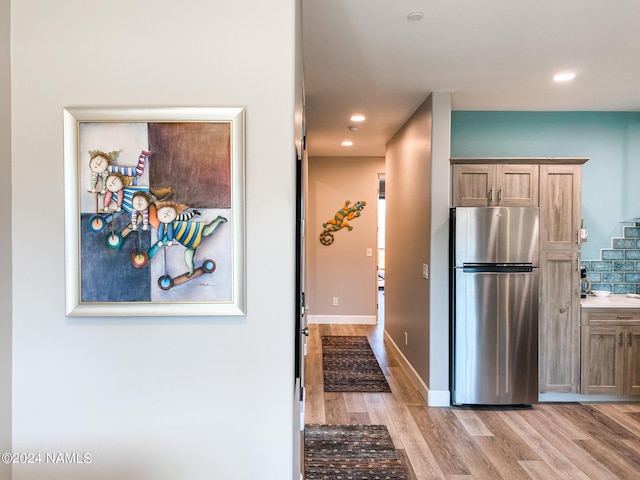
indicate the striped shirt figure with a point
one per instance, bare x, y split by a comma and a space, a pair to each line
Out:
169, 217
140, 202
100, 164
115, 184
179, 227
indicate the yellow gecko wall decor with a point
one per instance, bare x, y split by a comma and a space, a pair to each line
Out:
340, 220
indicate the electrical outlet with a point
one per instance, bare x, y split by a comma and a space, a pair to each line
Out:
369, 252
335, 301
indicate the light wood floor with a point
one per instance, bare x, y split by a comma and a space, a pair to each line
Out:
547, 441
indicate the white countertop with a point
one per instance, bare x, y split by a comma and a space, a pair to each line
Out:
612, 301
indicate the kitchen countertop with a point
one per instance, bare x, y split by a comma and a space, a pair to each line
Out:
612, 301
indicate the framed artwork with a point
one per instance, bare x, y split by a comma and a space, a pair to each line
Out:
154, 211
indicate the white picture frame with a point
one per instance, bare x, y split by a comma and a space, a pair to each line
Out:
126, 261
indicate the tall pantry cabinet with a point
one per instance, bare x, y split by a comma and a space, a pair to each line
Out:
559, 314
554, 185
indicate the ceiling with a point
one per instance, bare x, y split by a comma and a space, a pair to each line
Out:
366, 56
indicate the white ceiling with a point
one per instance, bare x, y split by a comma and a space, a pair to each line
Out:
365, 56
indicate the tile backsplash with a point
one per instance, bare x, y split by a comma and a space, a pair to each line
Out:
618, 269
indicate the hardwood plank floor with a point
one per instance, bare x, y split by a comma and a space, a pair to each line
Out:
545, 442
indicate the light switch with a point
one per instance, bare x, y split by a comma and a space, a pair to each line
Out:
369, 252
425, 271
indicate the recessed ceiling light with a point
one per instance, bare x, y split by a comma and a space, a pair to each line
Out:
415, 16
564, 77
347, 143
357, 118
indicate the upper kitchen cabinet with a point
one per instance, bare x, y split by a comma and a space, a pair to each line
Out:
494, 184
560, 203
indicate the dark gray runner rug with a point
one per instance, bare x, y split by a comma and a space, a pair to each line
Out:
349, 365
351, 452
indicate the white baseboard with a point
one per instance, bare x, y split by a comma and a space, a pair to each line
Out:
439, 398
343, 319
409, 370
433, 398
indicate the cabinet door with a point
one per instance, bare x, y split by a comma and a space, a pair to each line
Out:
473, 185
560, 198
602, 360
559, 323
632, 361
517, 185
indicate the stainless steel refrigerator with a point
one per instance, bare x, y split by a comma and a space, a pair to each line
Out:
494, 305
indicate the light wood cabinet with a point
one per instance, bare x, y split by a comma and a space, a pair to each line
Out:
504, 185
611, 352
559, 323
555, 186
560, 203
632, 361
559, 320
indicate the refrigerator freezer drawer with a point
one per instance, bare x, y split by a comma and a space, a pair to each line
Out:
496, 338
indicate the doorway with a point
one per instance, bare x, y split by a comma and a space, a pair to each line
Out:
381, 245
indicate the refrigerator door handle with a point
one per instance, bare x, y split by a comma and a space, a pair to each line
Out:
497, 268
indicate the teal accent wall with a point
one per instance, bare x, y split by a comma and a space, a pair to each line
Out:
611, 140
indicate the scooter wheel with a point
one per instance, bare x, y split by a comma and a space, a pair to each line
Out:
96, 224
165, 282
139, 259
113, 240
209, 266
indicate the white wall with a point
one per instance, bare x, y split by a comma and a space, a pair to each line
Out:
5, 238
153, 398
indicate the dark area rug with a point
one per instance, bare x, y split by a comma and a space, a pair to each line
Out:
351, 452
349, 365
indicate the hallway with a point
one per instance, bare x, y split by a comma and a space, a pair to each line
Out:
548, 441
